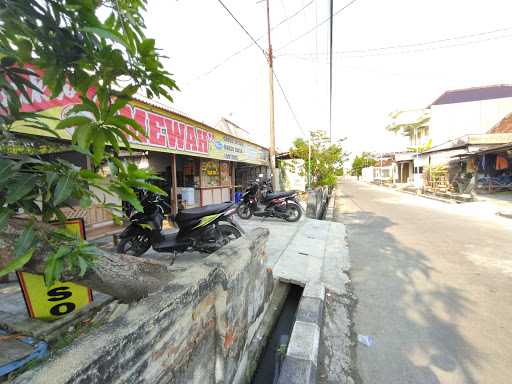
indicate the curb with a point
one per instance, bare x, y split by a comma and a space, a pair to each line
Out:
432, 197
329, 212
301, 361
505, 214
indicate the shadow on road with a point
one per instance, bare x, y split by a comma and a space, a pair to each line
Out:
412, 318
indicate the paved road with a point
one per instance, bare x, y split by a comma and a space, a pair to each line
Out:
433, 283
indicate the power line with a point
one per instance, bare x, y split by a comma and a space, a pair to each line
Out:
241, 26
273, 71
241, 50
411, 45
317, 26
426, 49
312, 59
288, 103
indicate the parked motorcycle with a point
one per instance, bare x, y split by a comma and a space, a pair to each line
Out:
204, 229
281, 204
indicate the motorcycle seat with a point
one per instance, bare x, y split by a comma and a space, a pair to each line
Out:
196, 213
276, 195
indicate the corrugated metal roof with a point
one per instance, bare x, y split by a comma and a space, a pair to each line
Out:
474, 94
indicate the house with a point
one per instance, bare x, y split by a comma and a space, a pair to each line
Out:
469, 111
383, 172
415, 126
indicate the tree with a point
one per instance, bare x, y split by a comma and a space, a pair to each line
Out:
362, 161
326, 158
55, 46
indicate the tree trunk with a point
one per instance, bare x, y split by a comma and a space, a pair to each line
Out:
124, 277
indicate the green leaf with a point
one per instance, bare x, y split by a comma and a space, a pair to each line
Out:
99, 146
123, 121
112, 140
106, 34
118, 104
25, 241
83, 266
17, 263
147, 47
73, 121
82, 136
63, 189
6, 169
89, 174
4, 216
85, 201
21, 187
148, 187
55, 265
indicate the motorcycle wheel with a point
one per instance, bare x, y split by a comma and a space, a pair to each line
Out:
293, 213
229, 233
244, 212
134, 246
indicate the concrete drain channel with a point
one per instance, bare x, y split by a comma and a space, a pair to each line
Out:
291, 353
269, 366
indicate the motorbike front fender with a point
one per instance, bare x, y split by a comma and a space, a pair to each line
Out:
234, 224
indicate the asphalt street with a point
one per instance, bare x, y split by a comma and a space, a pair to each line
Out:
433, 287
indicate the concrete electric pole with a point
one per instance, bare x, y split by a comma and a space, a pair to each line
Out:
275, 181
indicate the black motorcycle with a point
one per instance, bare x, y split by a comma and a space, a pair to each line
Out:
260, 202
204, 229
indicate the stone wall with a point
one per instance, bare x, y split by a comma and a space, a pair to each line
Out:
197, 329
317, 202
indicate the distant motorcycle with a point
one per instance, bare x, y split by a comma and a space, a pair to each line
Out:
281, 204
204, 229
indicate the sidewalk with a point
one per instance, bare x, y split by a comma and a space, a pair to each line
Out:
307, 251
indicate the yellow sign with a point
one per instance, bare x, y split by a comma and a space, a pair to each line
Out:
60, 299
50, 303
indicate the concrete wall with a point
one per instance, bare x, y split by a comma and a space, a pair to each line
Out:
291, 175
317, 202
450, 121
196, 330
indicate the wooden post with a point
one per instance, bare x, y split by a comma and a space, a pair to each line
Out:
174, 186
233, 181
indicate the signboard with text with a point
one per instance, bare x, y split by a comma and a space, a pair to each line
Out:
165, 131
59, 299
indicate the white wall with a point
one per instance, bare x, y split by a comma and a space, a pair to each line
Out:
367, 174
450, 121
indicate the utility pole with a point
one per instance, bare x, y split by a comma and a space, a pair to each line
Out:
275, 181
309, 161
330, 70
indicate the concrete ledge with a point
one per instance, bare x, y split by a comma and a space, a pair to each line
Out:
314, 290
329, 213
297, 371
301, 361
507, 214
310, 311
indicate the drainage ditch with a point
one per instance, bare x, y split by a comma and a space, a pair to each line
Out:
269, 365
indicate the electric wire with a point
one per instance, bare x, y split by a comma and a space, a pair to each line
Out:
411, 45
316, 26
241, 50
273, 71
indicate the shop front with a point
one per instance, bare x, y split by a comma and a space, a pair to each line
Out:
196, 162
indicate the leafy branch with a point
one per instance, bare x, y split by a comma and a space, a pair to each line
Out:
49, 49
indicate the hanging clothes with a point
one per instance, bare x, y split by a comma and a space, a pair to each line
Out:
471, 166
501, 163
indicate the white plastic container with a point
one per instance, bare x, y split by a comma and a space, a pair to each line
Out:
187, 196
